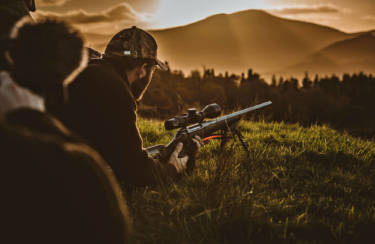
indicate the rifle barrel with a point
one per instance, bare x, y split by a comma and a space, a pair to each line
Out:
245, 111
208, 127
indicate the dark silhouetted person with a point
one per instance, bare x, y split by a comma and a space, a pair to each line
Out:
55, 188
103, 104
10, 12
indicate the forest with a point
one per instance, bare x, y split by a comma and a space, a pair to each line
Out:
344, 103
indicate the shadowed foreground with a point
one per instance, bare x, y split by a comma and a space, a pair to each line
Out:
300, 185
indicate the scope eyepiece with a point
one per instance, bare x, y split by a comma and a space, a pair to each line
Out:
193, 117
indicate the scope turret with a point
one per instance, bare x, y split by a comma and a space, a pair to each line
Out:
192, 117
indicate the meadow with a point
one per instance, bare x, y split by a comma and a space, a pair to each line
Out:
298, 185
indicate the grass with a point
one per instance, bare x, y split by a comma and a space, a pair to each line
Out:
299, 185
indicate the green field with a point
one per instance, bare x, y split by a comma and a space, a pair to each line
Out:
299, 185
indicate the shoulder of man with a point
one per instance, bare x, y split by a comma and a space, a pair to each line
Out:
98, 69
101, 78
51, 171
41, 122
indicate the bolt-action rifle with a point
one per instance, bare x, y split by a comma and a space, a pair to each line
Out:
193, 124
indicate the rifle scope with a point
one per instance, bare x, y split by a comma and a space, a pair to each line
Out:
193, 117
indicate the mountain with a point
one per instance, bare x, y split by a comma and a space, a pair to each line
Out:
238, 41
96, 40
347, 56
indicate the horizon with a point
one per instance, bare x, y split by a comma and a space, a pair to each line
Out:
291, 40
262, 10
113, 15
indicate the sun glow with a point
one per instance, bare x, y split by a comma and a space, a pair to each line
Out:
181, 12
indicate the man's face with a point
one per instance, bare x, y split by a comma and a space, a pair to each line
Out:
140, 85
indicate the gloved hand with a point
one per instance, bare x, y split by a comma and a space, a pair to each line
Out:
181, 163
198, 144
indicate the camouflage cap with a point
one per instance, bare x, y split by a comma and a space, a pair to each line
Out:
134, 43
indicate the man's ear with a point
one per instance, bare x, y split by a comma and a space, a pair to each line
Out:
142, 71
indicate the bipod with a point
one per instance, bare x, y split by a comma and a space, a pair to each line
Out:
244, 144
224, 138
235, 132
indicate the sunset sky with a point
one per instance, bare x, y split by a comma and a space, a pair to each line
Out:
112, 15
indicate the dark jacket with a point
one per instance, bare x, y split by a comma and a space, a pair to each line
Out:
55, 189
102, 109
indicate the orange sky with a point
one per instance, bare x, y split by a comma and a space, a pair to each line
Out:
346, 15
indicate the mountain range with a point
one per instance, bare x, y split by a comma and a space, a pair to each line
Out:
348, 56
261, 41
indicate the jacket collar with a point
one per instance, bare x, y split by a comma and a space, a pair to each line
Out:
118, 68
13, 96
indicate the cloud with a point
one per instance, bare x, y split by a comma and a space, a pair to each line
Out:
99, 27
308, 10
121, 13
42, 3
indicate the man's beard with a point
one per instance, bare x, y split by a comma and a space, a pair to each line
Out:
139, 87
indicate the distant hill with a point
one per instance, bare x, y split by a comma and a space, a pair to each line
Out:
351, 55
236, 42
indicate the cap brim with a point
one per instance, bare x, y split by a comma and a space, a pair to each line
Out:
162, 65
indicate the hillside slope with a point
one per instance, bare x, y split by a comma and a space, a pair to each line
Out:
238, 41
235, 42
299, 185
350, 55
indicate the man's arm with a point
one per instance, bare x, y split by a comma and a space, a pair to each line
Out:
103, 111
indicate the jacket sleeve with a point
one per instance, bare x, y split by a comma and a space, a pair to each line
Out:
107, 113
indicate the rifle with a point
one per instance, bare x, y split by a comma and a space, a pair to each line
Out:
204, 129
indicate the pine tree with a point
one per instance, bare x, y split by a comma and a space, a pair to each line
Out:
306, 82
274, 81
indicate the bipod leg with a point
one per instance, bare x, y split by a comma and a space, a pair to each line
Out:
224, 140
242, 140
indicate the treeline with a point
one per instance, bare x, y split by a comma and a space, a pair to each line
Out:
345, 102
